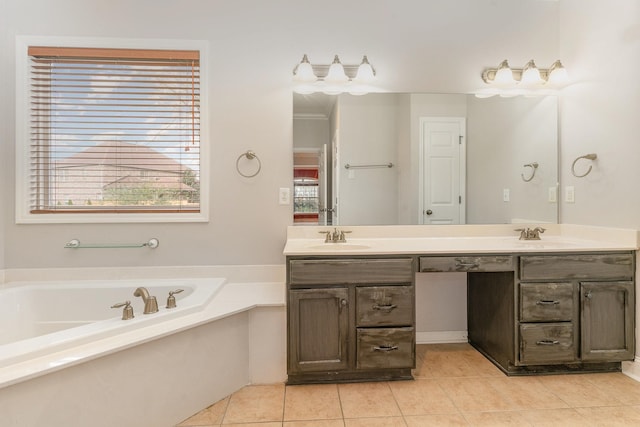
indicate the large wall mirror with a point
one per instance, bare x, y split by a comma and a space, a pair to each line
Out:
410, 158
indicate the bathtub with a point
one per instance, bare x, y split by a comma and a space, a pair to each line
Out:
48, 320
156, 369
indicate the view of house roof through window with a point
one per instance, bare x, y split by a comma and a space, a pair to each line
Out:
114, 130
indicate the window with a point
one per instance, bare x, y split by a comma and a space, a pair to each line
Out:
306, 194
113, 134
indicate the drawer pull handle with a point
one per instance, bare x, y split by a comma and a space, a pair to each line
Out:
467, 264
547, 302
385, 348
387, 307
548, 342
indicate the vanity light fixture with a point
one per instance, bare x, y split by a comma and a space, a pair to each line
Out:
333, 79
529, 80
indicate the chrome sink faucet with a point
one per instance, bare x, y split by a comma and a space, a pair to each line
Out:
338, 236
530, 234
150, 302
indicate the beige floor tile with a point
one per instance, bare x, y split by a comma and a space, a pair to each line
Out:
421, 397
578, 390
567, 417
375, 422
612, 416
437, 420
312, 402
473, 394
626, 389
256, 403
525, 393
362, 400
496, 419
481, 365
211, 416
444, 364
314, 423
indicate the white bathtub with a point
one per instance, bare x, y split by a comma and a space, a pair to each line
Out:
44, 319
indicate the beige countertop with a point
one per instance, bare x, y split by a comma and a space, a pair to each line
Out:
457, 239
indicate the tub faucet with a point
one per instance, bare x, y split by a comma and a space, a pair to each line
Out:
150, 302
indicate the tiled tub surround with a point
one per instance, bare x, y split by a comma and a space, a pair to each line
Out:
156, 374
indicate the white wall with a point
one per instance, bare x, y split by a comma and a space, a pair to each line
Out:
503, 134
415, 46
599, 44
368, 136
310, 133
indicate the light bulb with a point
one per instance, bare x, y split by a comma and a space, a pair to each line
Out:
304, 72
558, 74
366, 73
504, 75
531, 75
336, 74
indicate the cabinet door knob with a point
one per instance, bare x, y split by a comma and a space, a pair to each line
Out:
428, 212
588, 295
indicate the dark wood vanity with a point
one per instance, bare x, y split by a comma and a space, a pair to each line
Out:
352, 317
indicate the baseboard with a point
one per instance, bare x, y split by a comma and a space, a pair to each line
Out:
632, 369
441, 337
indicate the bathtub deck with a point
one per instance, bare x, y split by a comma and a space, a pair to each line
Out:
231, 299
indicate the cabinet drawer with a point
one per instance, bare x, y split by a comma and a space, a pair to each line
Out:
547, 343
546, 302
584, 266
384, 306
466, 263
380, 348
332, 271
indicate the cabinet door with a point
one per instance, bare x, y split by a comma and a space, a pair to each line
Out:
318, 329
607, 321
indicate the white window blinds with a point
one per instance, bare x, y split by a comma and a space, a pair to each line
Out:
114, 130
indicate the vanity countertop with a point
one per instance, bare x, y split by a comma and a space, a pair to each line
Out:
457, 239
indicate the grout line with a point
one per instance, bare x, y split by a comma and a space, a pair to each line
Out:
284, 404
226, 407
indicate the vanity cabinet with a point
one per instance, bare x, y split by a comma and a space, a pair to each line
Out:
576, 310
350, 319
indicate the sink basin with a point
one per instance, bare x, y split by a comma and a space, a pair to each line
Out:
338, 247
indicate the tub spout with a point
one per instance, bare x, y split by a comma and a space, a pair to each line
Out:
150, 302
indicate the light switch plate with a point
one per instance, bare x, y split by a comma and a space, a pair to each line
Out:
569, 194
284, 196
506, 195
553, 195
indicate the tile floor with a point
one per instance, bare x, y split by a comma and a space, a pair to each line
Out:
454, 386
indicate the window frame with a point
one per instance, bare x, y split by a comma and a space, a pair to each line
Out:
22, 175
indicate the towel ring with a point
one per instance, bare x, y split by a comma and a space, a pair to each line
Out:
591, 156
534, 167
250, 155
